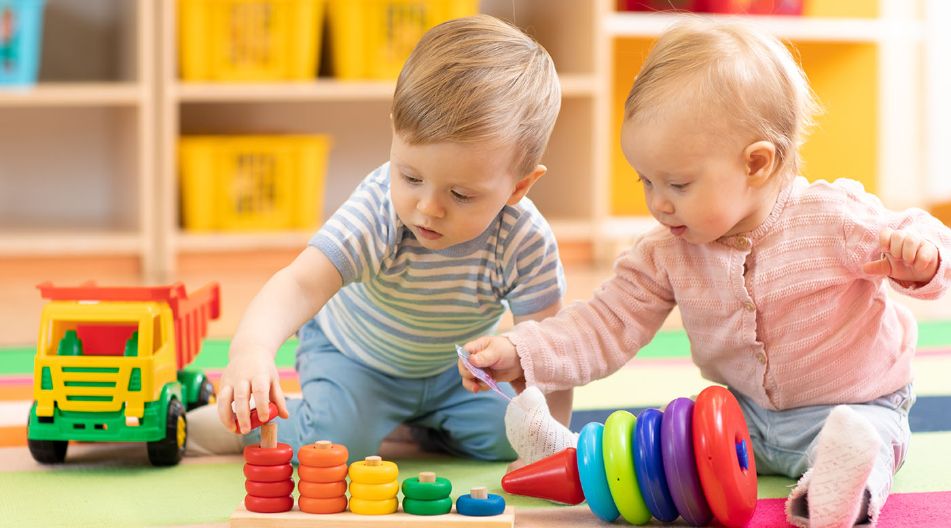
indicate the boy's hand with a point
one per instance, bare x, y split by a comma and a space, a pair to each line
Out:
906, 257
495, 355
249, 375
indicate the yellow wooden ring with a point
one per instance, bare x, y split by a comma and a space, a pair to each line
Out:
373, 507
382, 473
362, 490
618, 445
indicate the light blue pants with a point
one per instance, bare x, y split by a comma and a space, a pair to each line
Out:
350, 403
784, 441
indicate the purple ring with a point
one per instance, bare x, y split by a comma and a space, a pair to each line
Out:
680, 467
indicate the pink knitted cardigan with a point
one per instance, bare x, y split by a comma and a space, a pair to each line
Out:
784, 313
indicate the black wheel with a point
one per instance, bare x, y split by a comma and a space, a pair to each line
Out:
206, 395
48, 451
169, 450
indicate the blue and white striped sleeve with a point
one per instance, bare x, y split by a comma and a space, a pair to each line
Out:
355, 238
532, 271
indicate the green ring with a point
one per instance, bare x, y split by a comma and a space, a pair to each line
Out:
414, 489
427, 507
618, 450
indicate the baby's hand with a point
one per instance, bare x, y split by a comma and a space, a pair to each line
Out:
906, 257
495, 355
249, 375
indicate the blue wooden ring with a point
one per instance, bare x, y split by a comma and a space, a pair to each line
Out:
649, 466
594, 481
492, 505
680, 466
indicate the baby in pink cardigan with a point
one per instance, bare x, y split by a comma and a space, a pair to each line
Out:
781, 283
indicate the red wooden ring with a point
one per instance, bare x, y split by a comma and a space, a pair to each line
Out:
322, 474
724, 452
255, 421
334, 505
322, 490
268, 504
283, 488
310, 455
268, 473
262, 456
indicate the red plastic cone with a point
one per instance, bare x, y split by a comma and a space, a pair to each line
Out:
553, 478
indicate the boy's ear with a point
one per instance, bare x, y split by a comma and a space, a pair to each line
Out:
760, 161
523, 185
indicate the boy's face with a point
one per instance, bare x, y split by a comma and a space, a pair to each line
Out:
695, 177
448, 193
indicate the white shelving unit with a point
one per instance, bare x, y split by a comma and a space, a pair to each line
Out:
77, 149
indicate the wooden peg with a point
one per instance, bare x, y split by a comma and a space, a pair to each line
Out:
269, 435
480, 492
374, 460
427, 476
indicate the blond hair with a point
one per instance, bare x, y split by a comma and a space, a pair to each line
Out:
478, 79
749, 78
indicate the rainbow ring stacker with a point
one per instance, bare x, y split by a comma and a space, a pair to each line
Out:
680, 466
649, 466
594, 481
723, 447
619, 467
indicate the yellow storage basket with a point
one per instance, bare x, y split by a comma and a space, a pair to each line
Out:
371, 39
249, 40
252, 183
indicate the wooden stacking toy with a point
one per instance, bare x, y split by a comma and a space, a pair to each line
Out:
427, 495
268, 469
374, 486
694, 460
480, 503
322, 477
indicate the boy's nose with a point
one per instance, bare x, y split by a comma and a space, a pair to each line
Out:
430, 207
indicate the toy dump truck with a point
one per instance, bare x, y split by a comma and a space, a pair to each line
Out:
110, 367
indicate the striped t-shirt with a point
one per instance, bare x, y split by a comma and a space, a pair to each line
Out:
403, 307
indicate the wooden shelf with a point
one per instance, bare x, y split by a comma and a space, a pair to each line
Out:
72, 94
801, 29
223, 242
322, 90
52, 242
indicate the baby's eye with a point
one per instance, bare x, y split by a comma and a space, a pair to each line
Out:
679, 186
461, 197
646, 182
411, 179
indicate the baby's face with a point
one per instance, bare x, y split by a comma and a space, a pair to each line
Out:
694, 177
448, 193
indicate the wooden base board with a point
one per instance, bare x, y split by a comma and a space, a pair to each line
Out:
242, 518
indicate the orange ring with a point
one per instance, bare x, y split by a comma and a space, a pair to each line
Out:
322, 474
282, 488
263, 456
310, 505
311, 455
322, 490
268, 473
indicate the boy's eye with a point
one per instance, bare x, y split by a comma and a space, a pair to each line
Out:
461, 197
411, 179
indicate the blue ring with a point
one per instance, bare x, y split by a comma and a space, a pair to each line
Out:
649, 466
594, 481
492, 505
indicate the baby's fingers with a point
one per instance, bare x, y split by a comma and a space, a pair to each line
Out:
927, 257
260, 391
225, 414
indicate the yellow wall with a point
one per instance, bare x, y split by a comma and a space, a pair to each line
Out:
844, 77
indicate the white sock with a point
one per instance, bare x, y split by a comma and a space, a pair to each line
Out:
206, 435
846, 452
531, 429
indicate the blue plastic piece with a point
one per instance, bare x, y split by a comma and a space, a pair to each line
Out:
649, 466
20, 46
743, 455
594, 481
468, 506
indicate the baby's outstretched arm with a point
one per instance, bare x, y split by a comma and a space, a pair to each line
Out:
496, 355
906, 257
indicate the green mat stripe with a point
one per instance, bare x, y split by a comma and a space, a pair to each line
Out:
666, 344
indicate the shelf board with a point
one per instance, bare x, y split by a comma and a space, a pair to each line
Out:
226, 242
52, 242
793, 28
573, 85
72, 94
619, 227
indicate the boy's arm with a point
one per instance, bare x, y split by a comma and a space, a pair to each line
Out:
559, 402
285, 302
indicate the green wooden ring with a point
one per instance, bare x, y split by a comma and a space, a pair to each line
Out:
426, 491
619, 467
427, 507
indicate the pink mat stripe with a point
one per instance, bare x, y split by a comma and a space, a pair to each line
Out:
902, 510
